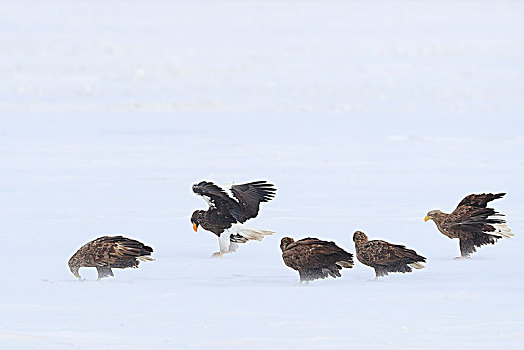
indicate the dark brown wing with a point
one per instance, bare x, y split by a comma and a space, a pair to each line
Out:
479, 200
472, 217
118, 251
474, 227
472, 220
379, 252
315, 258
474, 223
218, 198
250, 195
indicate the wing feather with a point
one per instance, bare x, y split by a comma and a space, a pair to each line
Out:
479, 200
379, 252
312, 253
118, 249
475, 224
473, 220
250, 195
218, 198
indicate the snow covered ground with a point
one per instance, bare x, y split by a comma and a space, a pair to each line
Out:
365, 115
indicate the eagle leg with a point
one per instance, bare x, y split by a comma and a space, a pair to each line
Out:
224, 243
104, 271
379, 272
467, 247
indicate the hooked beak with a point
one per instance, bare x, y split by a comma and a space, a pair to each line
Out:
74, 271
195, 227
427, 218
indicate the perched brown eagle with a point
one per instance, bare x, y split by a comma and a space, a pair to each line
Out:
385, 257
472, 223
109, 252
314, 258
229, 208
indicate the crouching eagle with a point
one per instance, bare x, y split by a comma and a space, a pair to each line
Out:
385, 257
472, 222
107, 252
229, 209
314, 258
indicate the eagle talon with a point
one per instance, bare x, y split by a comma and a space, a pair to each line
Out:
462, 257
217, 255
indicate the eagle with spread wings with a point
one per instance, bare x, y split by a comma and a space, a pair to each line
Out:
314, 258
228, 208
109, 252
472, 222
386, 257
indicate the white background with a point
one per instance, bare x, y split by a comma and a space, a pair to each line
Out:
365, 115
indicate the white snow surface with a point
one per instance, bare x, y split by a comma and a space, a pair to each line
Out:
364, 114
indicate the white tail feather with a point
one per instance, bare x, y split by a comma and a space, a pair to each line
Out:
254, 234
224, 240
416, 265
502, 230
145, 258
344, 263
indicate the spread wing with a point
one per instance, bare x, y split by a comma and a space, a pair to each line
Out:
474, 220
476, 227
217, 198
250, 195
475, 224
118, 250
479, 200
472, 217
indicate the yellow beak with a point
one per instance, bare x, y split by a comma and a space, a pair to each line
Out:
426, 218
195, 227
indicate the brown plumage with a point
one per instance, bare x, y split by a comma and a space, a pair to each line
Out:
386, 257
472, 222
109, 252
314, 258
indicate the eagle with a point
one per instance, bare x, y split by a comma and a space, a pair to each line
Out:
385, 257
314, 258
228, 209
472, 222
109, 252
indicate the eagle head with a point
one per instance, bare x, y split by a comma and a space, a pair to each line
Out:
359, 237
74, 266
432, 215
196, 218
285, 242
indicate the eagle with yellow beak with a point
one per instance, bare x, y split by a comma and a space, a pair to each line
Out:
230, 207
472, 222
